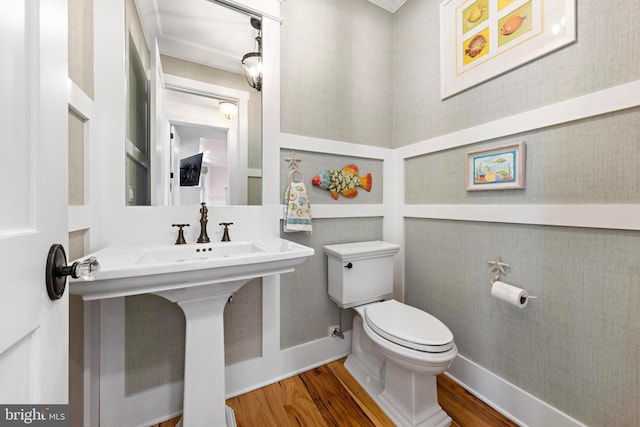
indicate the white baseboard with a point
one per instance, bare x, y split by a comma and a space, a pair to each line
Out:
153, 406
514, 403
255, 373
165, 402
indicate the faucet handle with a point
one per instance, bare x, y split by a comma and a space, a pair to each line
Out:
225, 235
180, 240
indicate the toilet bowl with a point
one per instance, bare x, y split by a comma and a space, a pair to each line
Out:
396, 350
399, 377
411, 337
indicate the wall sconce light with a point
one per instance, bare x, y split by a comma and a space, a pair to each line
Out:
228, 109
252, 61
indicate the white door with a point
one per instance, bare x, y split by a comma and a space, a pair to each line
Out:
33, 213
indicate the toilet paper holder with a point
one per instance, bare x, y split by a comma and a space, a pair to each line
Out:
498, 267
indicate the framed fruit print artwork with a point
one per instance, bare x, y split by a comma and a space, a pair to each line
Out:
480, 39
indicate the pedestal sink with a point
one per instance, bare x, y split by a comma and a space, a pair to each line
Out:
200, 278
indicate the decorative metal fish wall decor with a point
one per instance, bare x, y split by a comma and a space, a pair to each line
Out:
343, 181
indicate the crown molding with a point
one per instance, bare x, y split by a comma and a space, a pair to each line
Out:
390, 5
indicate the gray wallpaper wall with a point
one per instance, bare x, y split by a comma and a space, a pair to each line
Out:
81, 44
306, 311
76, 160
336, 71
154, 336
576, 347
593, 160
154, 343
604, 55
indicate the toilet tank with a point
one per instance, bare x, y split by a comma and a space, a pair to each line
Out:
360, 272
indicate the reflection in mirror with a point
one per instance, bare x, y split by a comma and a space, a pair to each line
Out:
192, 51
137, 138
206, 119
202, 178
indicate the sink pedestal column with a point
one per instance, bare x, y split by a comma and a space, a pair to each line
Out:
204, 383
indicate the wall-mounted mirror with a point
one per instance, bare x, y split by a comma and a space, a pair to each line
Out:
188, 95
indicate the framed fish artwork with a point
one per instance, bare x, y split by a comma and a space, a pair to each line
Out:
496, 168
480, 39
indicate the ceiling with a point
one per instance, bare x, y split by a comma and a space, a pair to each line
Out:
390, 5
198, 31
205, 32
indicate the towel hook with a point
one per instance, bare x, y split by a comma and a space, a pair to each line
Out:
293, 160
293, 164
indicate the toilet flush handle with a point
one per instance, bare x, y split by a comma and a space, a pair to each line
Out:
349, 266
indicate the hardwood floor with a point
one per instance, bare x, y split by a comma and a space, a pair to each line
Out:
329, 396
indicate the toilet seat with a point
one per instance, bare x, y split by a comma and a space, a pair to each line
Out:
408, 326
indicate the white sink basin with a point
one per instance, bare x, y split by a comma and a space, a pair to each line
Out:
197, 252
199, 278
134, 269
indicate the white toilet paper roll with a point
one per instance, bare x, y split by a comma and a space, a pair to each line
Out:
511, 294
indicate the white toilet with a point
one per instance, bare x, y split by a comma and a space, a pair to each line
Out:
396, 350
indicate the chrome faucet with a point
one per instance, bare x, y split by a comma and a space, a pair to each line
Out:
203, 224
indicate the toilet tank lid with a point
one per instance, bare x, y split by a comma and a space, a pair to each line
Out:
361, 250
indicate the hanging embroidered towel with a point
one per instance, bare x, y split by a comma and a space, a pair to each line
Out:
297, 210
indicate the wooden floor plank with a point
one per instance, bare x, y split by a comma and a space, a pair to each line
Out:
329, 396
465, 409
236, 404
297, 403
259, 406
169, 423
334, 402
362, 398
